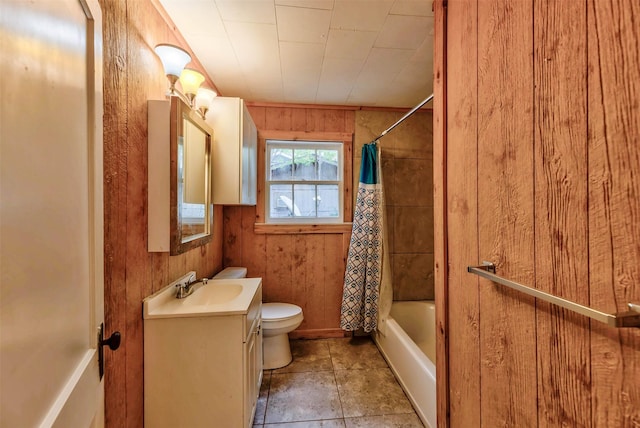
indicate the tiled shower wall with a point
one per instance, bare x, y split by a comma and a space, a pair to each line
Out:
407, 171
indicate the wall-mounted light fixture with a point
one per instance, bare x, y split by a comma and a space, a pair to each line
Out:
174, 60
204, 98
190, 80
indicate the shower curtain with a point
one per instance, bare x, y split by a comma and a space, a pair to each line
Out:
366, 265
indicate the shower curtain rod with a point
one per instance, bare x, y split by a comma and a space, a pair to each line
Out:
413, 110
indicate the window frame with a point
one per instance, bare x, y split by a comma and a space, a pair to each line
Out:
262, 228
308, 144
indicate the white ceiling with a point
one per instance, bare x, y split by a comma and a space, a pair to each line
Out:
338, 52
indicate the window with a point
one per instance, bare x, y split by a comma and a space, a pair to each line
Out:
304, 182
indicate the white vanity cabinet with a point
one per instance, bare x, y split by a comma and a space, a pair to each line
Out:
235, 152
252, 359
203, 370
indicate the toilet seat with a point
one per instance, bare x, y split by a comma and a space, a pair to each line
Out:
280, 318
279, 311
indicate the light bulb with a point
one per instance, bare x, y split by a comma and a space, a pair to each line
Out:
190, 80
204, 98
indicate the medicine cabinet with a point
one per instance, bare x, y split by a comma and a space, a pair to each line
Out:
180, 214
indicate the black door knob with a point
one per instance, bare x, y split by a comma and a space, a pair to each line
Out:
113, 342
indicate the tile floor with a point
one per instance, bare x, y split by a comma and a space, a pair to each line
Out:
334, 383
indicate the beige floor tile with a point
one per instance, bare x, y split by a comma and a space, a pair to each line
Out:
308, 356
371, 392
329, 377
295, 397
334, 423
355, 353
408, 420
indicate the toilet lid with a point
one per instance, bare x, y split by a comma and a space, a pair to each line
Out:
231, 273
279, 311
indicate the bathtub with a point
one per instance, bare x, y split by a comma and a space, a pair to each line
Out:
409, 347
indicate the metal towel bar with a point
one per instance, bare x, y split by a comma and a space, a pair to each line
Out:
630, 318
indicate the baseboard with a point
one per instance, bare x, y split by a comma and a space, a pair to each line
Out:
320, 333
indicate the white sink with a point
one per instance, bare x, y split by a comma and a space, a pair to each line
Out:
217, 297
214, 294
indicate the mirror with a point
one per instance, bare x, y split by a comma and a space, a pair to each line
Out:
191, 201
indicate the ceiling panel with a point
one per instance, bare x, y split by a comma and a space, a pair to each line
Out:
363, 15
337, 79
376, 78
343, 52
298, 24
363, 95
264, 87
255, 11
301, 62
256, 46
218, 57
403, 32
312, 4
299, 93
385, 63
196, 17
412, 7
349, 44
410, 85
301, 57
425, 51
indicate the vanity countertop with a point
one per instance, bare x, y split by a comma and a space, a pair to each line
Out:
231, 297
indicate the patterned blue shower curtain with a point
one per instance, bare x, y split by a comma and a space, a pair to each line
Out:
364, 262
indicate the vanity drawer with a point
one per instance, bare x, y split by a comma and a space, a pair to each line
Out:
254, 314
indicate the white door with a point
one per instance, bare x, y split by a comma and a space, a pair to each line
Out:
51, 234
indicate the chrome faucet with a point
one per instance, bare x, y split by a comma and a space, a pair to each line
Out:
186, 289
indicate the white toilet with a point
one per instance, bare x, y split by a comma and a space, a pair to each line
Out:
278, 319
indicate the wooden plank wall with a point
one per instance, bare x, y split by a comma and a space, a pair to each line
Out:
561, 221
306, 269
613, 101
543, 113
132, 75
440, 202
505, 212
464, 342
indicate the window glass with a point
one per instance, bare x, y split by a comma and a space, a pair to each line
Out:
304, 182
328, 164
281, 167
304, 164
328, 201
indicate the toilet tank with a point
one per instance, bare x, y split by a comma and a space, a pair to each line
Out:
231, 273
